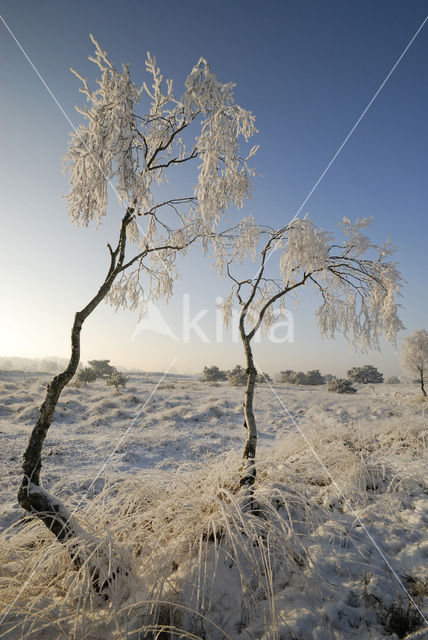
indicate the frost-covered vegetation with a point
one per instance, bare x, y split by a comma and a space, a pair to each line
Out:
414, 356
238, 377
131, 138
101, 369
341, 385
85, 375
173, 537
367, 374
356, 282
213, 374
328, 553
117, 379
312, 377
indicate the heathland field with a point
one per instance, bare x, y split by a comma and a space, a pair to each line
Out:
335, 546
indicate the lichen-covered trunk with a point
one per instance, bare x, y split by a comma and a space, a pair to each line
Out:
31, 496
249, 471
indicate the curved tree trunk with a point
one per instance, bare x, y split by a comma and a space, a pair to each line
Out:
31, 496
249, 472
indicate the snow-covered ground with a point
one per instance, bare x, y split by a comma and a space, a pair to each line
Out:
337, 548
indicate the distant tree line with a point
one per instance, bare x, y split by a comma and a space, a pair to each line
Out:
236, 376
367, 374
312, 377
37, 365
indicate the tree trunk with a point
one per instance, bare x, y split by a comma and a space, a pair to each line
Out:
422, 383
249, 472
31, 496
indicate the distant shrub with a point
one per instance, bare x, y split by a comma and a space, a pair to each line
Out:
328, 377
237, 376
341, 385
264, 378
393, 380
213, 374
102, 368
312, 377
85, 375
298, 377
117, 379
368, 374
292, 377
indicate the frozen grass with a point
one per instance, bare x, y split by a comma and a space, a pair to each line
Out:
184, 538
195, 564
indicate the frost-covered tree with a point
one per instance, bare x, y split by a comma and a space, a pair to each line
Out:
102, 368
392, 380
285, 376
213, 374
263, 378
414, 355
85, 375
328, 376
131, 139
237, 376
117, 379
312, 377
367, 374
297, 377
340, 385
354, 277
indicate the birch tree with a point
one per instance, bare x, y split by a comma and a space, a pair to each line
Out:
354, 277
130, 141
414, 355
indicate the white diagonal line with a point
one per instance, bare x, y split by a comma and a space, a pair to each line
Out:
346, 501
397, 62
87, 490
42, 80
360, 118
58, 104
121, 439
76, 131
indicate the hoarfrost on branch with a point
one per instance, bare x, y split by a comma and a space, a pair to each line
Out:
131, 138
359, 285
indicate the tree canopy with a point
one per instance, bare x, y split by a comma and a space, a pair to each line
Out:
358, 284
414, 355
134, 136
367, 374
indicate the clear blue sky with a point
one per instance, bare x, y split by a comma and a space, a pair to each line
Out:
307, 69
